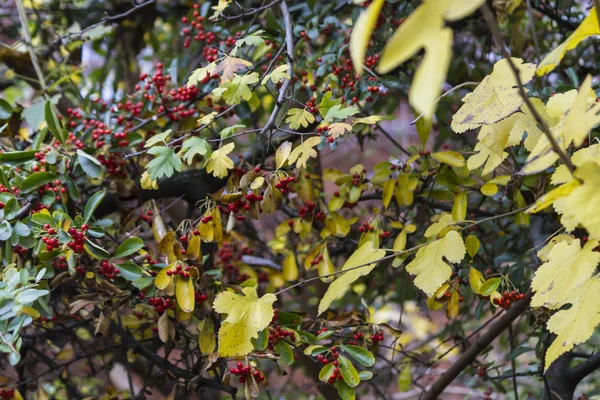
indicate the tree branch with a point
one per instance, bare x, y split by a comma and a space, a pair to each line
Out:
473, 351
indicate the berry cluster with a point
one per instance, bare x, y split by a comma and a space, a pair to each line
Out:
365, 227
161, 305
7, 393
51, 242
508, 298
307, 209
283, 185
315, 261
200, 298
357, 179
377, 337
150, 261
147, 216
234, 207
60, 263
245, 371
55, 187
278, 333
20, 250
114, 163
357, 337
77, 238
108, 270
481, 371
4, 189
335, 374
180, 271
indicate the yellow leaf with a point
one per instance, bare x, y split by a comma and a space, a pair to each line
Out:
458, 9
388, 192
246, 316
475, 280
207, 119
206, 337
459, 208
193, 251
489, 189
303, 152
549, 198
32, 312
580, 157
580, 206
575, 325
165, 327
435, 228
361, 34
338, 129
495, 98
370, 120
449, 157
290, 267
168, 246
472, 244
325, 266
430, 269
65, 355
184, 291
162, 279
453, 306
364, 256
147, 183
545, 251
279, 74
282, 154
218, 163
492, 140
567, 267
589, 27
298, 117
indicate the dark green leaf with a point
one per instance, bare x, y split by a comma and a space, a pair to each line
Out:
285, 351
129, 246
89, 164
17, 157
5, 230
5, 109
36, 180
129, 271
262, 341
345, 391
53, 122
96, 251
92, 204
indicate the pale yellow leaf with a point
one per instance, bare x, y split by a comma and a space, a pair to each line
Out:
218, 163
303, 152
361, 34
429, 267
567, 267
360, 263
589, 27
247, 315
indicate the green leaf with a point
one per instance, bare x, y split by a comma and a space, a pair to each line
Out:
5, 230
143, 282
360, 354
5, 109
338, 112
489, 286
326, 103
129, 271
129, 246
365, 375
89, 164
160, 137
230, 130
517, 352
348, 372
36, 180
22, 229
262, 341
92, 204
326, 372
165, 163
53, 122
279, 74
95, 251
41, 218
325, 335
193, 146
423, 129
345, 391
285, 351
236, 90
17, 157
